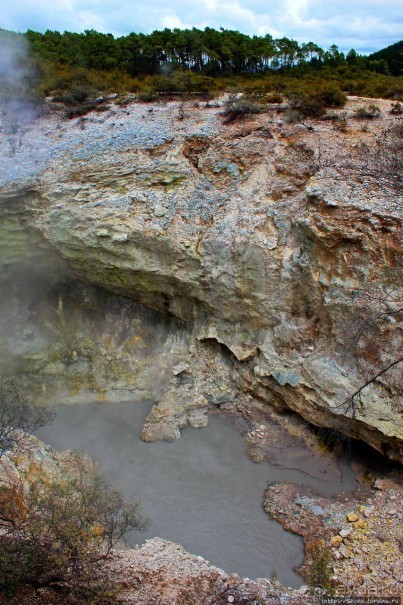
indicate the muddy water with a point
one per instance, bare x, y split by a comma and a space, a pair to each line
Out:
201, 491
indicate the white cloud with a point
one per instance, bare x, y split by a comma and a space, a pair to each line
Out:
90, 20
363, 24
172, 21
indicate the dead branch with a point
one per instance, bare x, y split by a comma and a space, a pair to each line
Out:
351, 402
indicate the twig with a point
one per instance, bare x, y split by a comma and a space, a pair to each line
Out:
350, 402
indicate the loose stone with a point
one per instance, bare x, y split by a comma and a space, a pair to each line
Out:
344, 551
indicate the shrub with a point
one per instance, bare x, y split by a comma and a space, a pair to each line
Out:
80, 110
147, 95
397, 109
274, 97
125, 100
103, 107
76, 96
332, 96
380, 162
293, 116
79, 101
319, 565
55, 531
387, 160
340, 122
165, 85
63, 531
305, 105
202, 84
368, 112
238, 107
18, 416
256, 88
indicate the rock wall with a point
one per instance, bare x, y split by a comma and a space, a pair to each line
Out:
274, 240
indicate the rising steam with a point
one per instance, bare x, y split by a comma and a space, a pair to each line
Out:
18, 77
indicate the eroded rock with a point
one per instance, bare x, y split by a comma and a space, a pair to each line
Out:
249, 239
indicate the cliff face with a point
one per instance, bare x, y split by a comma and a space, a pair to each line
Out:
280, 242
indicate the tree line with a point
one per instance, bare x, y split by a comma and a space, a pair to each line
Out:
210, 52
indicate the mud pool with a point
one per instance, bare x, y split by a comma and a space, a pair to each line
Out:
201, 491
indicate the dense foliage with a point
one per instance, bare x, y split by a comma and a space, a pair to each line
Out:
207, 51
78, 69
393, 55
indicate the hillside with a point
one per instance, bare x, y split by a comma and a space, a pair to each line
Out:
393, 55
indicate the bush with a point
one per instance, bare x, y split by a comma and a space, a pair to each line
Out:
332, 96
62, 531
397, 109
319, 565
311, 98
76, 96
304, 105
379, 162
387, 159
79, 101
293, 116
274, 97
202, 84
147, 95
18, 416
238, 107
340, 122
102, 108
368, 112
80, 110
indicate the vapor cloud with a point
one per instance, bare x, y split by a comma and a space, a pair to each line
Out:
16, 73
12, 53
366, 25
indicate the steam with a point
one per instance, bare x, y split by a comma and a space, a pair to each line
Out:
18, 76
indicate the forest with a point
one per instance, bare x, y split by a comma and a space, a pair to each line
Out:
210, 52
79, 68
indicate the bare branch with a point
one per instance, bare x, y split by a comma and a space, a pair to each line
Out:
18, 416
350, 403
62, 531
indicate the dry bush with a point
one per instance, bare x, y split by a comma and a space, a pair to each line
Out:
385, 160
371, 163
303, 105
319, 565
238, 107
397, 109
61, 533
368, 112
310, 99
147, 96
18, 416
369, 338
274, 97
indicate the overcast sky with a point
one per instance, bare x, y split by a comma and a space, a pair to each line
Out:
366, 25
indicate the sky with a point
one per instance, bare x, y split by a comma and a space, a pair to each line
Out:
365, 25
